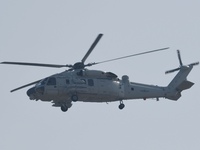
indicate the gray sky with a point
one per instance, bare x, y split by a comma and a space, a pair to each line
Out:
47, 31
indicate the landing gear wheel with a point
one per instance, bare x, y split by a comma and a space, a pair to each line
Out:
121, 106
74, 98
64, 108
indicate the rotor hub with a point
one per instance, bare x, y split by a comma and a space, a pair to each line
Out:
78, 65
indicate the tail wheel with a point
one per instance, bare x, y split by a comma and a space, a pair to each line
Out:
121, 105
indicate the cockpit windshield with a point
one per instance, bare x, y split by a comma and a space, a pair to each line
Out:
43, 82
48, 81
51, 81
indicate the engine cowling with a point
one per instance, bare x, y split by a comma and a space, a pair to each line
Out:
96, 74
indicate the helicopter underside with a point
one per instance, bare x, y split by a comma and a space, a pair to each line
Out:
65, 101
82, 97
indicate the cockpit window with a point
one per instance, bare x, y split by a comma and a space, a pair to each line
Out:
51, 81
43, 82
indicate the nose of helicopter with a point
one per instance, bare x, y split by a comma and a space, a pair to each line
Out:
39, 89
31, 92
35, 91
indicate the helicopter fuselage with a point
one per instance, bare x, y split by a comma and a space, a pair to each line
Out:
91, 86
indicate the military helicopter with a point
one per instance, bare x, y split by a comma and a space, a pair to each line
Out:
81, 84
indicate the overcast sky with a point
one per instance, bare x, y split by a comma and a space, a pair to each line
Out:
60, 32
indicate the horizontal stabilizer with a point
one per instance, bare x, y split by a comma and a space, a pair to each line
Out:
185, 85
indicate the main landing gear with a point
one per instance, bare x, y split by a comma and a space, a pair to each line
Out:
74, 98
121, 105
64, 108
65, 105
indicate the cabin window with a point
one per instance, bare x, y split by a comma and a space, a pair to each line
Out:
51, 81
67, 81
90, 82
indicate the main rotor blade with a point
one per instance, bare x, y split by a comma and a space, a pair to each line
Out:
35, 64
131, 55
25, 86
92, 47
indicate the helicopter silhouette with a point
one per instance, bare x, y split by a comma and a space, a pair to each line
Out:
81, 84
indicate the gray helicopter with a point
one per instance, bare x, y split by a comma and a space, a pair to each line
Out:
81, 84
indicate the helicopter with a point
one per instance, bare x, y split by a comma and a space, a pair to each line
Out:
81, 84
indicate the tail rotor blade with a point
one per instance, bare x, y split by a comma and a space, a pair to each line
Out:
179, 57
194, 64
173, 70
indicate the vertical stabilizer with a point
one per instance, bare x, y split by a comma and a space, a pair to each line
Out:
180, 79
180, 82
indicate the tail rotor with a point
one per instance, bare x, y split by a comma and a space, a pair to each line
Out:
181, 64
